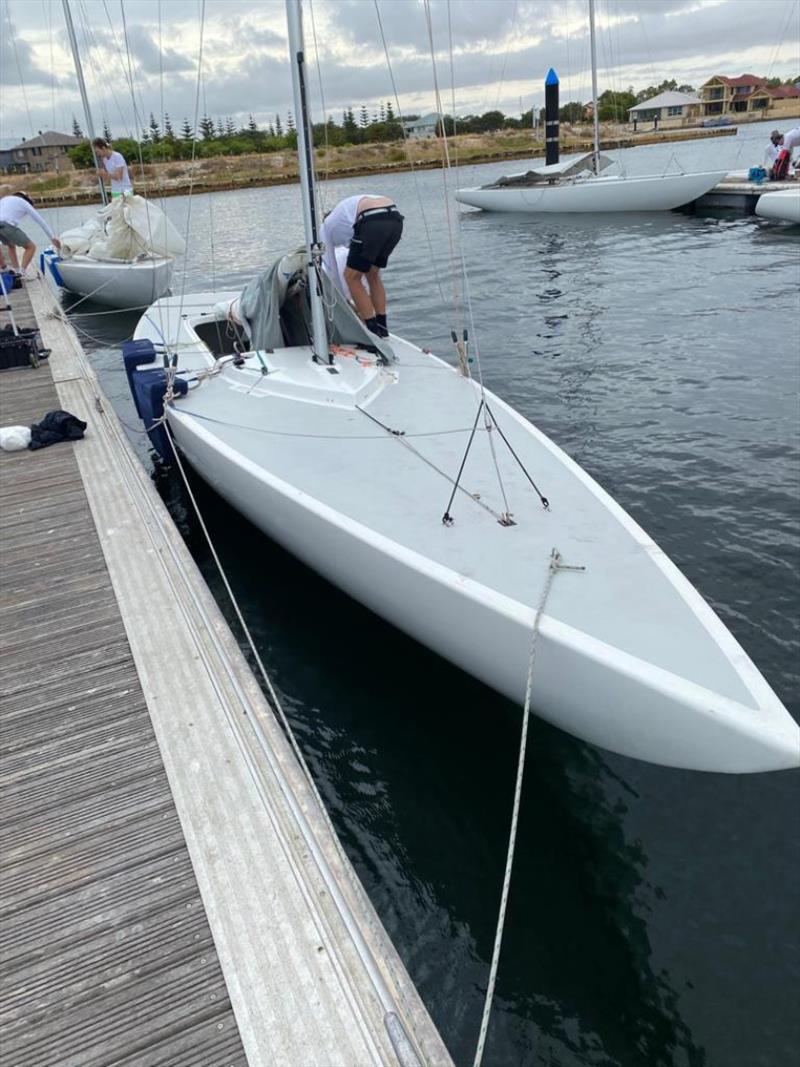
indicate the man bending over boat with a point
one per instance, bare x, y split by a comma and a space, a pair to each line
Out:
371, 227
13, 209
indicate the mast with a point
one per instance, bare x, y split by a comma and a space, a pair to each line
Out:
294, 20
82, 86
595, 112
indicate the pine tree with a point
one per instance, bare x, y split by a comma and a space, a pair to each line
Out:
220, 129
207, 128
278, 126
187, 133
155, 131
389, 111
382, 114
289, 121
169, 133
145, 138
106, 131
230, 127
251, 125
349, 125
271, 130
76, 129
364, 120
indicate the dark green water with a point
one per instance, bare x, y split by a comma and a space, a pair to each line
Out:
653, 912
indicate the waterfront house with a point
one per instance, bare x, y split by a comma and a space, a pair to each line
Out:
425, 126
668, 109
749, 96
48, 151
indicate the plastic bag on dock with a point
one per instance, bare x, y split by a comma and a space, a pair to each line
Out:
14, 438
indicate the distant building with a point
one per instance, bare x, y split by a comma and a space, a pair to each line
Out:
747, 95
667, 109
48, 151
426, 126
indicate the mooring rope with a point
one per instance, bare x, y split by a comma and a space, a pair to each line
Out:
553, 567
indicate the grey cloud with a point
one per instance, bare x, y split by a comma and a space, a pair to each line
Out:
145, 50
16, 57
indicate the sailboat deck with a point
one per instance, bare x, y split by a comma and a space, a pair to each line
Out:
398, 486
172, 893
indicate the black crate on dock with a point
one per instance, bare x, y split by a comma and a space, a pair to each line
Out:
19, 349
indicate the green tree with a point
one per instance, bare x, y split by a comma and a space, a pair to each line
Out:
289, 120
106, 131
278, 126
251, 125
613, 107
363, 121
187, 132
207, 129
154, 131
570, 112
76, 129
350, 127
169, 133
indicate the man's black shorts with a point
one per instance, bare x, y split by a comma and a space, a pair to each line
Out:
375, 235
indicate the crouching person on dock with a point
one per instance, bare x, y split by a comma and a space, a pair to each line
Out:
13, 209
371, 227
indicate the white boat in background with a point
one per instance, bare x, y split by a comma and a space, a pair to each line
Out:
574, 186
578, 187
124, 255
114, 284
783, 205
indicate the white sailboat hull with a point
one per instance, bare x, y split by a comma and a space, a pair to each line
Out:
115, 284
629, 656
783, 205
654, 192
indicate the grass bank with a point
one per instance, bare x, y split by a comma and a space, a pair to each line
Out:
280, 168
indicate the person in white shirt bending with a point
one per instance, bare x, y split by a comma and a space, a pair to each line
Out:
370, 226
13, 209
772, 151
112, 165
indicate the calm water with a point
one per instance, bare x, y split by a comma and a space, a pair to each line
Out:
653, 912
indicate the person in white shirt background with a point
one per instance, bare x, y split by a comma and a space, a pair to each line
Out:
112, 165
773, 149
13, 209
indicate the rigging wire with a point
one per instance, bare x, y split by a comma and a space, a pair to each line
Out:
414, 176
465, 276
13, 38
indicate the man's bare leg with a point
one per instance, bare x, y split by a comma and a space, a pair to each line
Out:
360, 299
376, 291
12, 255
30, 248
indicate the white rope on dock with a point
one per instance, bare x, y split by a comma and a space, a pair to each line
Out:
554, 565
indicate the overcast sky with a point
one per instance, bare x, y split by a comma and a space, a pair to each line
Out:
501, 51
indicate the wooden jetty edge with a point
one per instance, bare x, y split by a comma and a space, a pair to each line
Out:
172, 892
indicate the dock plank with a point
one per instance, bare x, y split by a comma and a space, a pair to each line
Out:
107, 955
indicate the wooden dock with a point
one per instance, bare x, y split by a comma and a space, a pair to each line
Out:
734, 193
172, 891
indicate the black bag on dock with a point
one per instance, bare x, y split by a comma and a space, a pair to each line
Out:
19, 349
56, 426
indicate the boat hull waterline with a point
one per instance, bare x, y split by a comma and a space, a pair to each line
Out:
596, 194
783, 205
117, 285
719, 715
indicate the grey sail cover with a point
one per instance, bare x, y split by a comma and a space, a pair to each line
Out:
276, 312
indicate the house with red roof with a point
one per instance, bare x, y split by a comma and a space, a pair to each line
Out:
747, 95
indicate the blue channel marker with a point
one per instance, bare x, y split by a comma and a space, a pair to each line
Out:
552, 78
